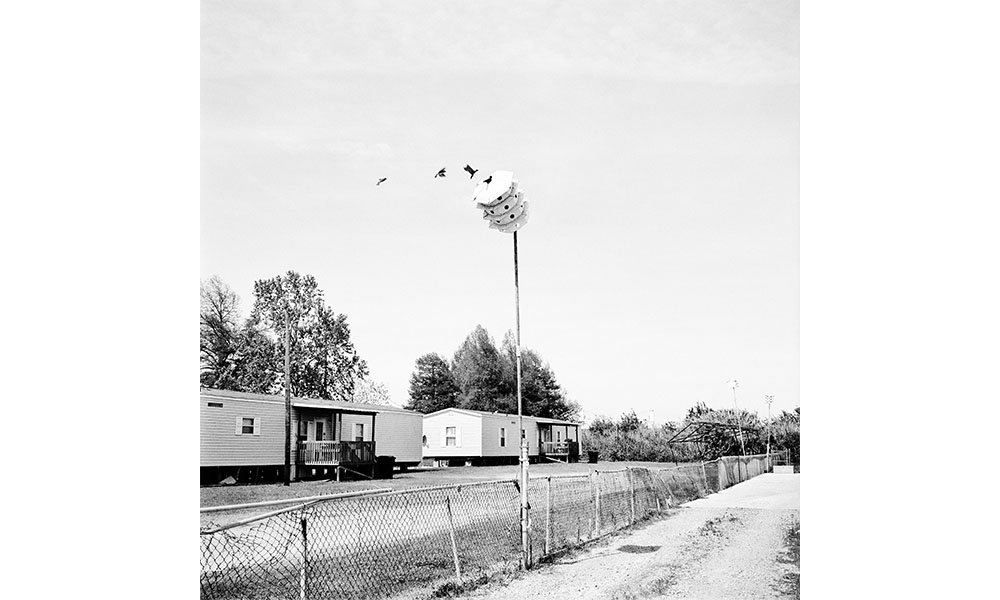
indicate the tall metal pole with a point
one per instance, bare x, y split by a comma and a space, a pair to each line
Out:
525, 558
739, 421
288, 401
769, 399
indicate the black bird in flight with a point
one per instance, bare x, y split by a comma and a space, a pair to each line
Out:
488, 180
441, 172
380, 181
470, 171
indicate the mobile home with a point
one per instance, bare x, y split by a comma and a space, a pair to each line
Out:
457, 436
242, 435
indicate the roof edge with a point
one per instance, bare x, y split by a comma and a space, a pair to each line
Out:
303, 400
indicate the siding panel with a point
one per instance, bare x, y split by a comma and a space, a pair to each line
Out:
398, 434
470, 431
491, 435
220, 446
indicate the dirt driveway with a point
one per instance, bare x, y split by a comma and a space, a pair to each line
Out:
725, 546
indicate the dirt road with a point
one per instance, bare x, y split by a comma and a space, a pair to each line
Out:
725, 546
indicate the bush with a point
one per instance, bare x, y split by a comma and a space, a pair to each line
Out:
631, 439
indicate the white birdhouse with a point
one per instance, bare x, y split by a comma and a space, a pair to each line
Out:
503, 204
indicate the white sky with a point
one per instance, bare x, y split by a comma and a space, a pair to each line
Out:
657, 143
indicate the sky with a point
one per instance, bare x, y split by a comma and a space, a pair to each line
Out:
657, 143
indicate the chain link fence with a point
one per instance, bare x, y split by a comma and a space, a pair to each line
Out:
737, 469
393, 544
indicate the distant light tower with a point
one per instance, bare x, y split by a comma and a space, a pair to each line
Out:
769, 398
739, 422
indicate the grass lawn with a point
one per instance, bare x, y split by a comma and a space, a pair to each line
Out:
241, 494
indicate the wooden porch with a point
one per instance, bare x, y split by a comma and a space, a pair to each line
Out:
565, 450
334, 454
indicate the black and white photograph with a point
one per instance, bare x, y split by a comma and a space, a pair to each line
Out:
499, 299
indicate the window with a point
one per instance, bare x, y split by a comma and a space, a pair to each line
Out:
503, 437
247, 426
359, 432
215, 404
423, 441
558, 436
450, 436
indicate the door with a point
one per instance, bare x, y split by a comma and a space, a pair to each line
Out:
314, 433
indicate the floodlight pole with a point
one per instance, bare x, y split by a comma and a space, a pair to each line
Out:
523, 456
769, 398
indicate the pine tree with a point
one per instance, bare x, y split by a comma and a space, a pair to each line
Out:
432, 386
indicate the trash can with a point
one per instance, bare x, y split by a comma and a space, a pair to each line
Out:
592, 457
384, 466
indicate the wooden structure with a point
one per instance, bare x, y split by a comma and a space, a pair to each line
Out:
701, 432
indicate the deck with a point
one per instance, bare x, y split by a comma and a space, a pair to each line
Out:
314, 454
560, 449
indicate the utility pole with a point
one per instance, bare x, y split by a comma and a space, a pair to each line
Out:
288, 401
739, 422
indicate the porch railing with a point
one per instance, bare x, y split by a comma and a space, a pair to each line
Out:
336, 453
564, 448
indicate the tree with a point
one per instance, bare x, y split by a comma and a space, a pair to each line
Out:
368, 391
432, 385
478, 374
258, 361
601, 425
541, 394
785, 433
219, 332
324, 363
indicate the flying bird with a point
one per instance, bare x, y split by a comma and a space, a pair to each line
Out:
380, 181
470, 171
441, 172
488, 180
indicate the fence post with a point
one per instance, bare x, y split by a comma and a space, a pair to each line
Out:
631, 492
305, 561
597, 504
704, 477
454, 546
548, 514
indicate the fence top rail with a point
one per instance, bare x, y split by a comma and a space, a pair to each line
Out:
452, 486
561, 476
209, 509
747, 456
259, 517
690, 466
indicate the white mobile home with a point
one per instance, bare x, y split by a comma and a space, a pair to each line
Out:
456, 435
243, 435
